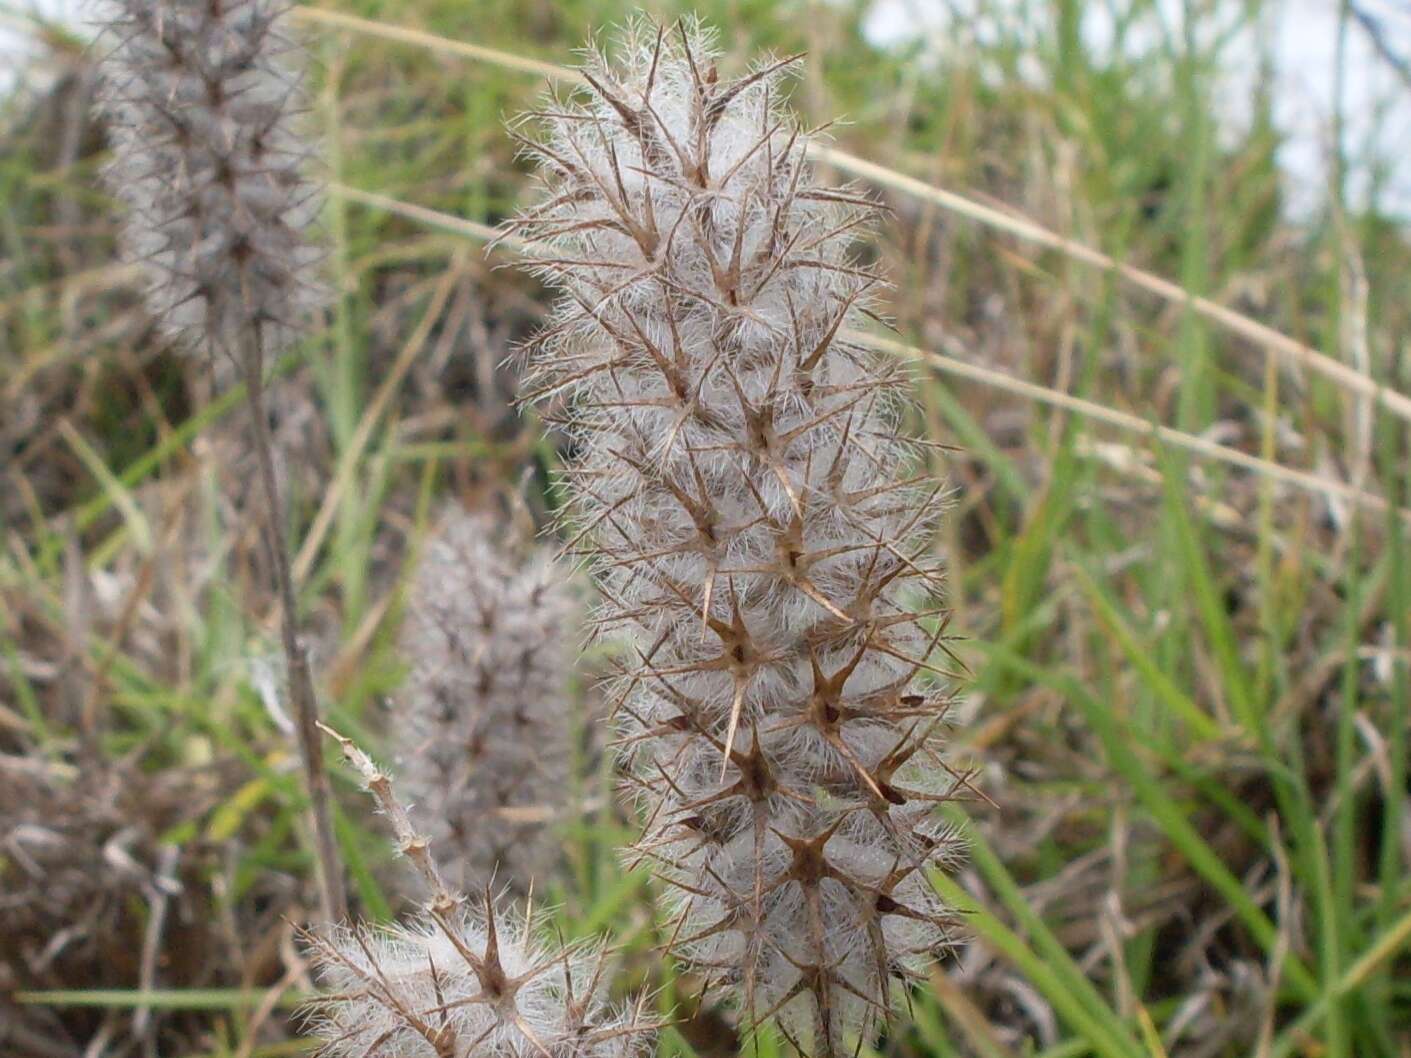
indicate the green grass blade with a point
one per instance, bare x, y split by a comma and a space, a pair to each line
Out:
1050, 982
1166, 812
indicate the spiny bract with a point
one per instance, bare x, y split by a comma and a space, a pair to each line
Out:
201, 97
758, 531
484, 734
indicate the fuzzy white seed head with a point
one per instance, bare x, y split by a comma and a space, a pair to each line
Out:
202, 98
761, 531
484, 733
477, 983
462, 981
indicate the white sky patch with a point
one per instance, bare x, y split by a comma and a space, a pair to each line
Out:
1376, 103
1299, 37
18, 22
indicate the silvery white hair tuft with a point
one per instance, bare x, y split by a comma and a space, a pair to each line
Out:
462, 981
202, 97
484, 735
760, 530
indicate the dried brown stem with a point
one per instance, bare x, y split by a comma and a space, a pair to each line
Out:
414, 846
332, 904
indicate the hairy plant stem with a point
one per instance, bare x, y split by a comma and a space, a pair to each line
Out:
332, 904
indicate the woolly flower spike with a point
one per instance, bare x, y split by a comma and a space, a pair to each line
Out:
756, 530
461, 982
485, 746
201, 98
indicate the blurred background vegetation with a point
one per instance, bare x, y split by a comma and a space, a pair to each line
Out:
1189, 704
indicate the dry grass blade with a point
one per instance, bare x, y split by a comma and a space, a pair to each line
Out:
1290, 349
421, 39
1235, 322
421, 215
1127, 421
1115, 417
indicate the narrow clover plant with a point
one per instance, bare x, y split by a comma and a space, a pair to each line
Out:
483, 735
202, 101
760, 530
